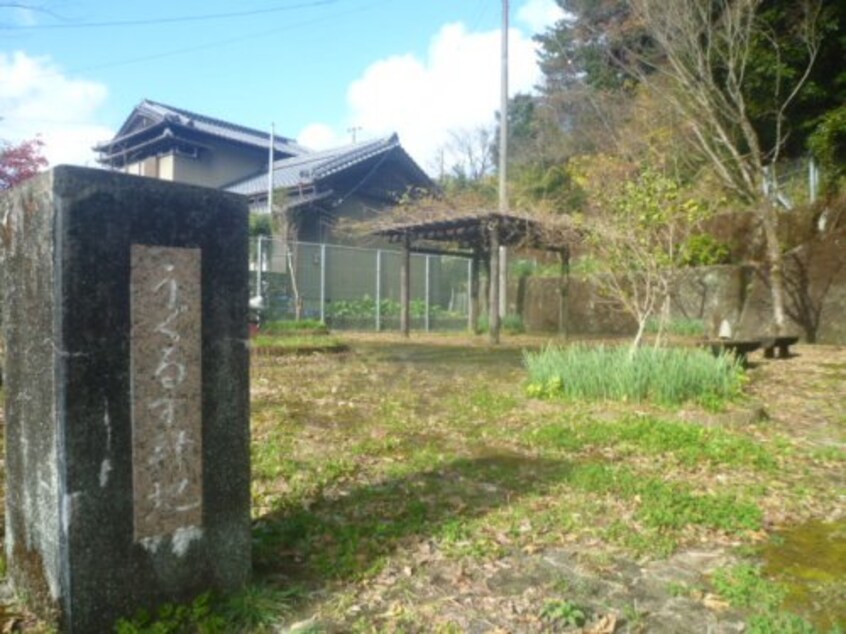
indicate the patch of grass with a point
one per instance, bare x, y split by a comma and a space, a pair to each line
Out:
664, 505
482, 406
426, 452
781, 623
690, 443
829, 454
295, 341
744, 587
287, 327
270, 458
667, 376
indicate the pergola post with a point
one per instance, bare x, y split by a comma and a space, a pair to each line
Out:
405, 285
473, 291
493, 304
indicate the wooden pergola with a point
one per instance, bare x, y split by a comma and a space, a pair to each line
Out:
476, 236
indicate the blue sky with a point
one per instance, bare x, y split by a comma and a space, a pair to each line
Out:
421, 68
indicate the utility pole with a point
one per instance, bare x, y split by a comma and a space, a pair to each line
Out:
503, 160
270, 157
354, 130
503, 115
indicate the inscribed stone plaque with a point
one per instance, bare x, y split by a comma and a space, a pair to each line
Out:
167, 469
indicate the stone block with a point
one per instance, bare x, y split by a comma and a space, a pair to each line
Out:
127, 438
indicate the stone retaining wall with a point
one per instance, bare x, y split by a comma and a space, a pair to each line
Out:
815, 280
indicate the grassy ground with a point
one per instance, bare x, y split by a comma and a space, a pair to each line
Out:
413, 486
391, 485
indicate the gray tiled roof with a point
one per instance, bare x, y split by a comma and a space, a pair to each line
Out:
306, 169
217, 127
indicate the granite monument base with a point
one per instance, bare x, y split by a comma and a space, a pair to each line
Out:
127, 438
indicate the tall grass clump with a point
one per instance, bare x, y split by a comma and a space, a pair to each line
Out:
679, 326
668, 376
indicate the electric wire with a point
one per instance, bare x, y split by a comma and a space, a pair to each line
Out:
214, 44
173, 20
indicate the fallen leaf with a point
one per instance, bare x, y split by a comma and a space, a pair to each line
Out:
606, 625
714, 602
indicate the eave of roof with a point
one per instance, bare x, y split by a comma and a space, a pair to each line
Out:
308, 169
166, 115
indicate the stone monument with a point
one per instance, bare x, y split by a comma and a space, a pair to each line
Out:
127, 438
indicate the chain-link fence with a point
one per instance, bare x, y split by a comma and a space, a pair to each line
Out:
355, 288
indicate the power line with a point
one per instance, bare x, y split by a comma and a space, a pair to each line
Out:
212, 45
173, 20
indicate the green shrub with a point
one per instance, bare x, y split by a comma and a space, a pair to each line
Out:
260, 225
366, 307
513, 324
510, 324
704, 250
669, 376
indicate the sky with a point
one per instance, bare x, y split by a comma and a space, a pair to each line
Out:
71, 71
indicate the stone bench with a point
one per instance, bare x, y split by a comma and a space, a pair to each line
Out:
782, 344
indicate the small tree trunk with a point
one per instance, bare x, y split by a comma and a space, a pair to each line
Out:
776, 265
641, 327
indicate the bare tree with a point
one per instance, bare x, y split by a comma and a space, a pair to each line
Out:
469, 151
706, 61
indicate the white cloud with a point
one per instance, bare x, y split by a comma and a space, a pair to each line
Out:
456, 87
539, 15
37, 99
319, 136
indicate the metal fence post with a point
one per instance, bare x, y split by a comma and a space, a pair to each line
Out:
323, 282
378, 290
428, 257
258, 266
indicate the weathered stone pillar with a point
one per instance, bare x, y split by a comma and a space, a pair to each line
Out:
127, 439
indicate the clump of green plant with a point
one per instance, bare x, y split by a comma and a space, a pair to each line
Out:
288, 326
668, 376
256, 608
564, 613
197, 616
